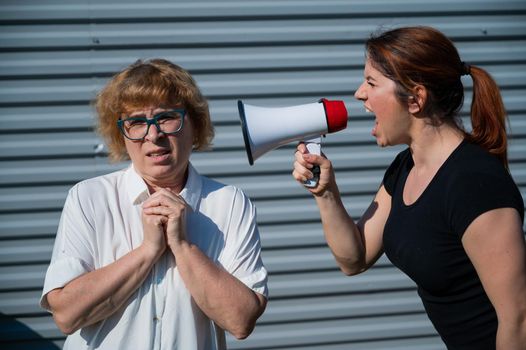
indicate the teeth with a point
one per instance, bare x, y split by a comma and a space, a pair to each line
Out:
367, 110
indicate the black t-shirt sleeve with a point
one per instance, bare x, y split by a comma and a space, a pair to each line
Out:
471, 194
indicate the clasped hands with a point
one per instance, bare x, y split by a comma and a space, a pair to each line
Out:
164, 220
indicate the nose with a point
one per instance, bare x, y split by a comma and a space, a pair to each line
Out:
360, 94
153, 133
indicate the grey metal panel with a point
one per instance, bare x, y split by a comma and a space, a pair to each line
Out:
234, 58
25, 251
28, 225
194, 59
21, 303
336, 306
333, 331
22, 277
55, 55
237, 32
68, 10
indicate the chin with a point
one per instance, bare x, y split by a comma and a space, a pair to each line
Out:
381, 143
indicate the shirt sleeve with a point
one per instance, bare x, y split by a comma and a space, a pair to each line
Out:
471, 194
73, 252
242, 253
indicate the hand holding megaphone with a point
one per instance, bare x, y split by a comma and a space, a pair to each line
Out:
265, 129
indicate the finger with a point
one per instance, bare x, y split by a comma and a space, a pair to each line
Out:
301, 148
314, 159
299, 176
174, 211
301, 167
168, 193
161, 211
155, 199
302, 171
151, 202
301, 162
154, 219
164, 198
171, 212
176, 199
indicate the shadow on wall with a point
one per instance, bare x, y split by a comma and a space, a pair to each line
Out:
14, 335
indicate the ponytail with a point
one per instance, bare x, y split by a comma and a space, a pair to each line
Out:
488, 115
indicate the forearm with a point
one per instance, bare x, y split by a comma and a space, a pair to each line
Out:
341, 233
98, 294
221, 296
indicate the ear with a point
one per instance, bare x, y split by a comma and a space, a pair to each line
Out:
417, 101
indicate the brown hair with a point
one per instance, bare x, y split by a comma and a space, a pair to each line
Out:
155, 82
412, 56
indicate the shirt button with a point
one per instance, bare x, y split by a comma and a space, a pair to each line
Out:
156, 319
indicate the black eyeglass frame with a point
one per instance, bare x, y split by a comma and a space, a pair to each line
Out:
154, 120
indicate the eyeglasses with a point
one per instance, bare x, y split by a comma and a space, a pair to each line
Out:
168, 122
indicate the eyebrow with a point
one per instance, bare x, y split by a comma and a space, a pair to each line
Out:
140, 115
369, 78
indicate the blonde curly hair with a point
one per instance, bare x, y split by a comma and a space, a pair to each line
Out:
155, 82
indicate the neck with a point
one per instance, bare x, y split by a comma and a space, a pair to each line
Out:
434, 144
175, 184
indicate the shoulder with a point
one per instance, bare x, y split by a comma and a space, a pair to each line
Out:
96, 188
227, 196
216, 189
476, 182
471, 156
472, 166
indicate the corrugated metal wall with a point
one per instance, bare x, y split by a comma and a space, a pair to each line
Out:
55, 54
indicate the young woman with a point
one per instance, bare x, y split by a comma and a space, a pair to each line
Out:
447, 213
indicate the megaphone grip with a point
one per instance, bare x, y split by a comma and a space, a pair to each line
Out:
313, 182
314, 148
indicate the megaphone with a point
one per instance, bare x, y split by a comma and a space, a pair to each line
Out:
265, 129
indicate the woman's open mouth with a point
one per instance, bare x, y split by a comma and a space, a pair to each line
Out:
158, 156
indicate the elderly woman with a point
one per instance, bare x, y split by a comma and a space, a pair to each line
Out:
155, 256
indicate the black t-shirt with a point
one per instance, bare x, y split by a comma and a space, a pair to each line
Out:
424, 239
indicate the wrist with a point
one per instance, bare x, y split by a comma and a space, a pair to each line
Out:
330, 193
150, 252
177, 244
329, 198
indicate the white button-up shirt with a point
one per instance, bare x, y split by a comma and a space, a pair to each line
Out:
101, 222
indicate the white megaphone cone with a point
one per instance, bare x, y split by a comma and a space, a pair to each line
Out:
265, 129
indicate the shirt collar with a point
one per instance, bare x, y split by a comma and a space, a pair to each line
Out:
191, 192
138, 191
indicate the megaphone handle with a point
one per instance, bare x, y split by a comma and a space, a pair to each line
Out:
314, 147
